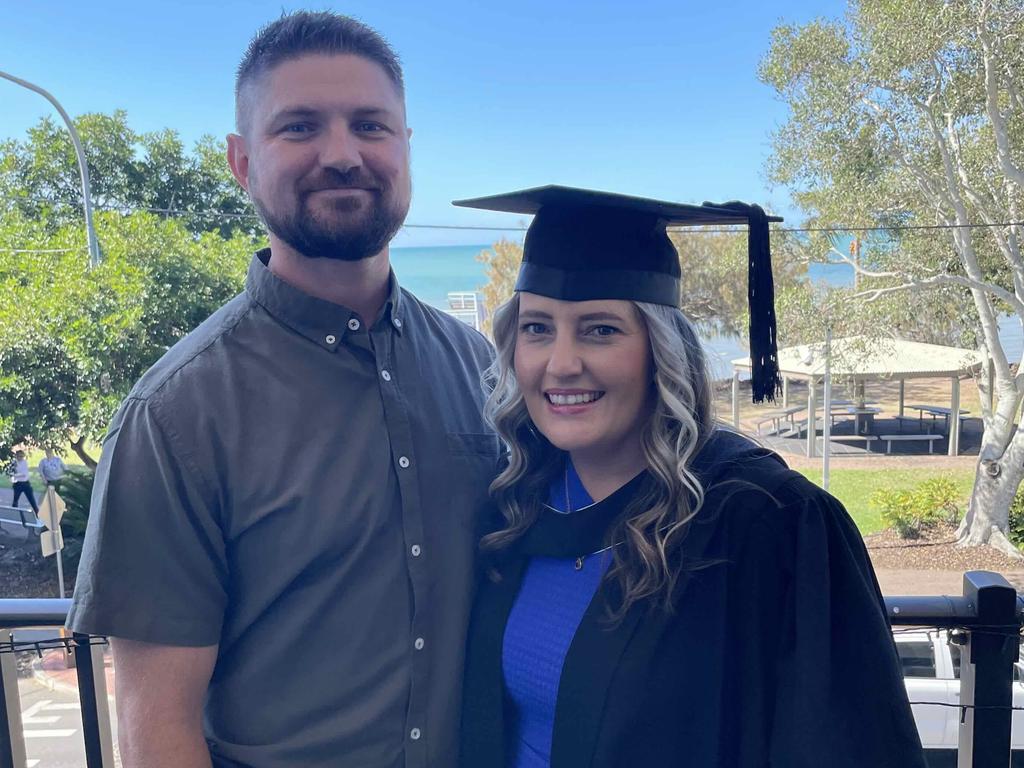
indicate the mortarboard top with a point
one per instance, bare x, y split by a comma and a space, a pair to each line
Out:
584, 244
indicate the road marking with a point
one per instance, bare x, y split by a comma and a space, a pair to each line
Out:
29, 717
33, 763
31, 711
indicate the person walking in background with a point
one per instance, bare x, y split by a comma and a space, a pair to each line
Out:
51, 469
20, 482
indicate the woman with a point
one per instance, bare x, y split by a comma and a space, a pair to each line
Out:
659, 591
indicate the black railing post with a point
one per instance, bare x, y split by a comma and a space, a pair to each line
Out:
986, 672
92, 693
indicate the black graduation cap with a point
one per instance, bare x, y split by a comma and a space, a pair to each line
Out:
584, 244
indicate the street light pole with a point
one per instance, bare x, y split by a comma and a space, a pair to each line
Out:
94, 246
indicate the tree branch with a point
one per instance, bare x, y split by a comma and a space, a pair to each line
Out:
992, 109
945, 279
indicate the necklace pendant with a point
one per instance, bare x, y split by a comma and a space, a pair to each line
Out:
579, 563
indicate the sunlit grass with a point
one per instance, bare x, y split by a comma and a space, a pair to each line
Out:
853, 487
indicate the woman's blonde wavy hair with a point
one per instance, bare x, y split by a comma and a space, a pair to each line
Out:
680, 422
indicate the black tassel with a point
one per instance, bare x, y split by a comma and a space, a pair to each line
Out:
765, 380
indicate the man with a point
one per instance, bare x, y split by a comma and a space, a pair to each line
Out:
307, 611
52, 469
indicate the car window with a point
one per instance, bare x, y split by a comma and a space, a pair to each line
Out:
917, 657
954, 652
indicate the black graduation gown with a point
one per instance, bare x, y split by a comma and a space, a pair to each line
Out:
778, 653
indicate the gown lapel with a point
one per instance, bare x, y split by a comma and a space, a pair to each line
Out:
483, 702
586, 677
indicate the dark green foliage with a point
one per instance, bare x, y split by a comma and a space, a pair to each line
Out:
74, 339
1016, 529
39, 388
129, 171
76, 490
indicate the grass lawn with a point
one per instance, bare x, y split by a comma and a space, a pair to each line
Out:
854, 487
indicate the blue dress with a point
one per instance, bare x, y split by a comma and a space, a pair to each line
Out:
547, 612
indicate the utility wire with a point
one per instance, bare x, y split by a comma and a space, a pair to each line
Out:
210, 213
42, 250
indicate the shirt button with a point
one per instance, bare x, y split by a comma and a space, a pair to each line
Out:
385, 375
414, 734
403, 462
418, 645
353, 324
415, 550
398, 322
330, 338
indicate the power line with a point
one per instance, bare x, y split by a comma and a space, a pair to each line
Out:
41, 250
905, 227
251, 216
211, 213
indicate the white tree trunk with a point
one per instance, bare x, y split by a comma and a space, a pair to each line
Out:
998, 474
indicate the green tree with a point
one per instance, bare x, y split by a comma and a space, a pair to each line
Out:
39, 176
73, 340
910, 113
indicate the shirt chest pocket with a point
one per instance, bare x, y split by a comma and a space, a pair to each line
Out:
473, 459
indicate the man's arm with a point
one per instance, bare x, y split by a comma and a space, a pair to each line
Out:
160, 691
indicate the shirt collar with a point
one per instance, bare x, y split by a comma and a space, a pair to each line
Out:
322, 322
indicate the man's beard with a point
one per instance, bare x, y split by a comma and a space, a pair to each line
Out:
317, 238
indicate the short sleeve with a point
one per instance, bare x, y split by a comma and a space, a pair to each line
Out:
153, 564
840, 694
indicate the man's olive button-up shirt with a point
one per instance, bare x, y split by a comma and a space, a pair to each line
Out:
268, 489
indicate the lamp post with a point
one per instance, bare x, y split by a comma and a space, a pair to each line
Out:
94, 246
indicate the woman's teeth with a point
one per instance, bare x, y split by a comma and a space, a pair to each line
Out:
579, 399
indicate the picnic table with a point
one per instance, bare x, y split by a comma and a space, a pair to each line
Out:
777, 417
865, 414
935, 411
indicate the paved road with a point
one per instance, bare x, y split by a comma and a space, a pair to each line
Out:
10, 521
53, 727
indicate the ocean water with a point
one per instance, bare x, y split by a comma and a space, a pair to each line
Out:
435, 271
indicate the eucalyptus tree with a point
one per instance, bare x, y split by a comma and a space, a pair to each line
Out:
908, 116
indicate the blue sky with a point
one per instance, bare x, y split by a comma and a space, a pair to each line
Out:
658, 98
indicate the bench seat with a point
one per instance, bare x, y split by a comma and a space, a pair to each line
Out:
929, 438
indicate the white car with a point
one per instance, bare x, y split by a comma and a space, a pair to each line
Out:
931, 672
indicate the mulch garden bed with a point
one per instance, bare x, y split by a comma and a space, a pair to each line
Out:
935, 550
24, 572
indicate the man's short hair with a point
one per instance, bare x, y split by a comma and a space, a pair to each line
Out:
303, 33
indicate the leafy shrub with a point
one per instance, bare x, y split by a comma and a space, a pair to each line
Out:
899, 512
911, 513
1016, 528
76, 490
940, 494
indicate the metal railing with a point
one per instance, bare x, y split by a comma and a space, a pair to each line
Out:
26, 518
89, 666
988, 617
